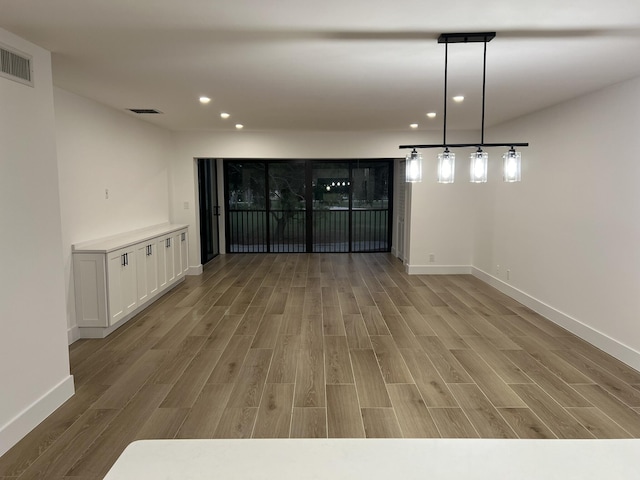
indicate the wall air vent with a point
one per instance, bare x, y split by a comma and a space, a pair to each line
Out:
15, 65
144, 111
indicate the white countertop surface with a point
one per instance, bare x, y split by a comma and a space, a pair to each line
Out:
379, 459
115, 242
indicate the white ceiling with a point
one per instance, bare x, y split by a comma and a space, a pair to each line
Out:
331, 65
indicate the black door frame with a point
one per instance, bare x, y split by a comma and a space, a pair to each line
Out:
209, 208
308, 171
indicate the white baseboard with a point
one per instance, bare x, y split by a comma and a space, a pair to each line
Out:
197, 270
73, 334
438, 269
30, 417
613, 347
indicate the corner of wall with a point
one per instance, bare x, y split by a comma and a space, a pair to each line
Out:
12, 432
73, 334
197, 270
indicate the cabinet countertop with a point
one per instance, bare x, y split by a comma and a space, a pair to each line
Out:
122, 240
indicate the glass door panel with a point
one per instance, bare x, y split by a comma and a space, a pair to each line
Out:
247, 222
371, 212
331, 184
287, 206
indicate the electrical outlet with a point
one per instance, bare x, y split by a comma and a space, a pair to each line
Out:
508, 274
432, 257
106, 194
498, 269
186, 205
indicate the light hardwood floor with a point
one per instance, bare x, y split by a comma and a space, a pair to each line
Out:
324, 345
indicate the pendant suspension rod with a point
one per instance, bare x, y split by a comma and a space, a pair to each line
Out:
446, 58
484, 84
448, 38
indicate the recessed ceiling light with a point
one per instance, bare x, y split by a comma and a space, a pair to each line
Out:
431, 114
224, 115
239, 126
205, 100
414, 125
458, 98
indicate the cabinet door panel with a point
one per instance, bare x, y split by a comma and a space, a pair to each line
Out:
169, 249
184, 252
177, 255
129, 281
141, 272
114, 273
161, 252
89, 272
152, 269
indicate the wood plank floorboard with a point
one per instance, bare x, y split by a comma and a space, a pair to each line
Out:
525, 423
309, 423
344, 419
453, 423
274, 414
327, 345
380, 423
482, 414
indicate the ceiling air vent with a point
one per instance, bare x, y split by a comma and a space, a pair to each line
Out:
15, 65
144, 111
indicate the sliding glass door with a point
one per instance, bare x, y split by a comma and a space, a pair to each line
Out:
308, 205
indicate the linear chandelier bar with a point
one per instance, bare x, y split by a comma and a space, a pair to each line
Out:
466, 145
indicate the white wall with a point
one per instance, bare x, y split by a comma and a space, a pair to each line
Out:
100, 148
570, 232
34, 371
435, 230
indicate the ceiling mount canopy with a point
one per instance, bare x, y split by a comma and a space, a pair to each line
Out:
479, 159
466, 37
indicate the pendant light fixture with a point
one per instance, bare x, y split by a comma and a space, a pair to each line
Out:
511, 167
414, 167
446, 166
478, 166
479, 159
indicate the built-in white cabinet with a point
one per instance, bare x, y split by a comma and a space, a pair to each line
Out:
116, 277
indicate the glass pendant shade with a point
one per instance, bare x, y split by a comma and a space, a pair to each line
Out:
446, 167
511, 166
414, 167
478, 166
